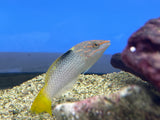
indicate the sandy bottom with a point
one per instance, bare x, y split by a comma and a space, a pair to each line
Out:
15, 103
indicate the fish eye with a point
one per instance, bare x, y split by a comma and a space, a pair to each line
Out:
132, 49
95, 45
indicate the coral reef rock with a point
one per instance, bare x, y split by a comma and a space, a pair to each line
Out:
116, 61
130, 103
142, 52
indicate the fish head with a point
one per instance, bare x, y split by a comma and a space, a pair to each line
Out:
91, 50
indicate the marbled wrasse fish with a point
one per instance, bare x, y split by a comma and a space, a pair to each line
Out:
63, 73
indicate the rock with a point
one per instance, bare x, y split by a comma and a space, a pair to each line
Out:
142, 52
130, 103
116, 61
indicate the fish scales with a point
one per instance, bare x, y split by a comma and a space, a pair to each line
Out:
63, 73
67, 70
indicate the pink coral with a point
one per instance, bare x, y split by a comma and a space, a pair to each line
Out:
142, 52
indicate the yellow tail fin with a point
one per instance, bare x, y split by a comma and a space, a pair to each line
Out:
42, 103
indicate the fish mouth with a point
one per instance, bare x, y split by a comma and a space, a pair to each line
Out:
104, 44
107, 42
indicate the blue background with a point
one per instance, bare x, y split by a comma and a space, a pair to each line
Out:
57, 25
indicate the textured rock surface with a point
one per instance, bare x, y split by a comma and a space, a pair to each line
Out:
142, 52
15, 103
130, 103
116, 61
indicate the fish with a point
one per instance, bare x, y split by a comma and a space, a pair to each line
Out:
64, 71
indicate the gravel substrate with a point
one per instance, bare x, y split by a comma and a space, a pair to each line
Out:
15, 103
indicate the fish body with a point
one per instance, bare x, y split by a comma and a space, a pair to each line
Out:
63, 73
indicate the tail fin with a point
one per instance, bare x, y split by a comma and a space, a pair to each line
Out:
42, 103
